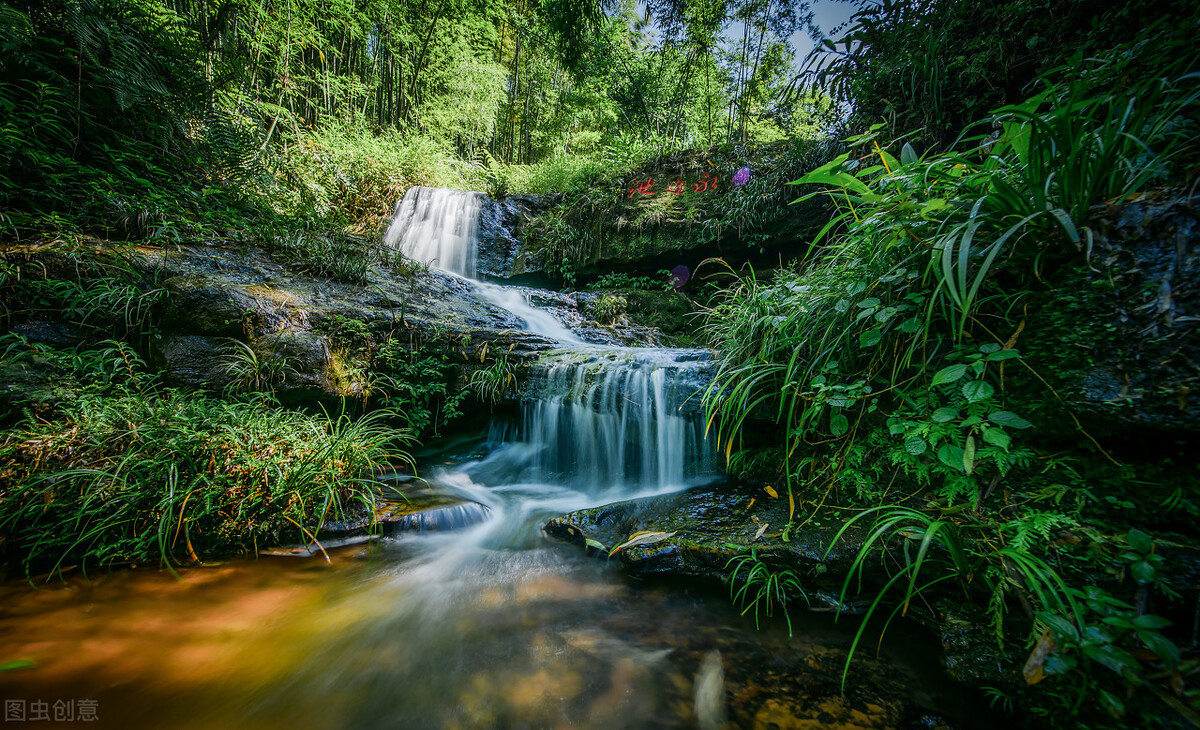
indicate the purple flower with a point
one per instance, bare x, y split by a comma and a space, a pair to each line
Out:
679, 276
741, 177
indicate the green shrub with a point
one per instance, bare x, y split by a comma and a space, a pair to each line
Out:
137, 476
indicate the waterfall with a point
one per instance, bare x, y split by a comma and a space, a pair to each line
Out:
618, 420
597, 422
439, 227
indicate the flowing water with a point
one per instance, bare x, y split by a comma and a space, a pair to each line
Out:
487, 625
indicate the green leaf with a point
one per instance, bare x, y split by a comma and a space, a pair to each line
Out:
949, 374
910, 325
1150, 621
951, 456
870, 338
17, 664
1162, 646
1112, 703
996, 436
1111, 657
908, 156
1002, 355
977, 390
869, 302
1139, 541
945, 415
915, 445
1143, 572
839, 424
969, 455
1009, 419
1063, 629
593, 543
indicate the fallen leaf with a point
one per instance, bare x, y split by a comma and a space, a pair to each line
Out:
642, 538
595, 544
1035, 667
770, 491
761, 530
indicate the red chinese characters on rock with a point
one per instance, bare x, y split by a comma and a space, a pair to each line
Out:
645, 187
706, 183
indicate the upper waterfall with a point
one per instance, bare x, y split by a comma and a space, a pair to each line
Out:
439, 227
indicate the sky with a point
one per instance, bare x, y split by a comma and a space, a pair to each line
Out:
829, 14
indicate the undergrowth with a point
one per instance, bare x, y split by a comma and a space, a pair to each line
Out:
128, 472
892, 368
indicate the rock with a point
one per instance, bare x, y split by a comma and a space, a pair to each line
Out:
1142, 316
711, 525
196, 361
615, 226
319, 336
34, 379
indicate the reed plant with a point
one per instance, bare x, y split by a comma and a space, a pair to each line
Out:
139, 474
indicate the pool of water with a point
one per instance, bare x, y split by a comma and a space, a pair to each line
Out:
442, 631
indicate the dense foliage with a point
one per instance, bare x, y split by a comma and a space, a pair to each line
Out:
172, 118
892, 365
904, 363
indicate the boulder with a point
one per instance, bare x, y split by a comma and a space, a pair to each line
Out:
707, 527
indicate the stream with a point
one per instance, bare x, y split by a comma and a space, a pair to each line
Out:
490, 625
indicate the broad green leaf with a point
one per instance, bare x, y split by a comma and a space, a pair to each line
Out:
977, 390
951, 456
1009, 419
1111, 657
969, 455
870, 338
945, 415
17, 664
1002, 355
1150, 621
1111, 702
1162, 646
1142, 572
869, 302
908, 156
1139, 541
996, 436
1063, 629
915, 445
592, 543
949, 374
839, 424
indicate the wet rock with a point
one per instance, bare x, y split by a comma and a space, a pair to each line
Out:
34, 379
49, 332
197, 361
711, 525
971, 655
1144, 369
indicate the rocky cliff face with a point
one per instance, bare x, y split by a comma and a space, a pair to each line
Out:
315, 337
676, 209
1119, 332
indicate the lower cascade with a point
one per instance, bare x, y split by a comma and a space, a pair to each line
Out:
618, 418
